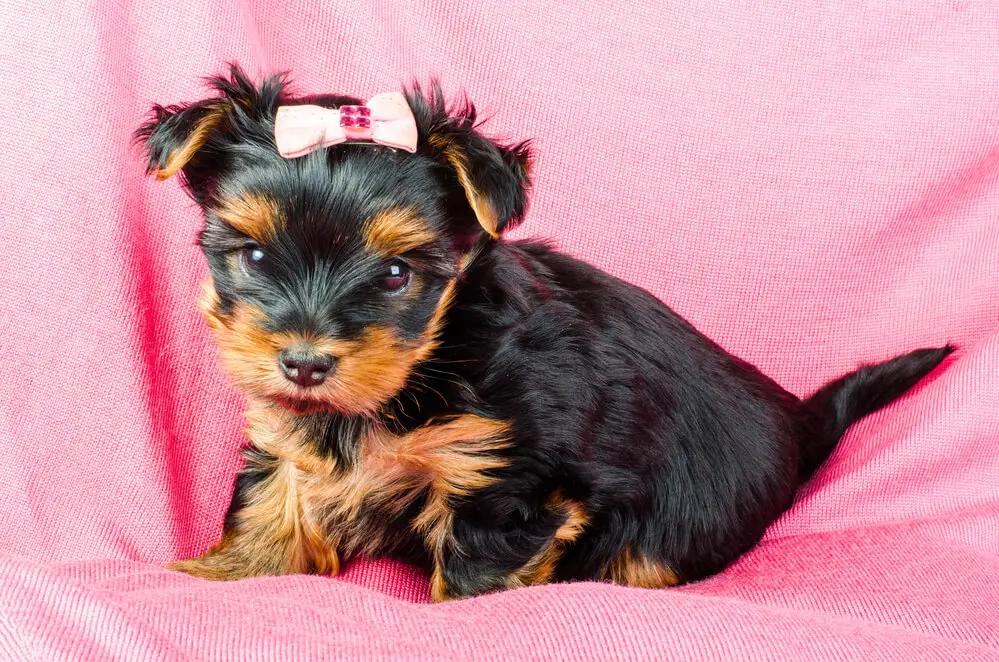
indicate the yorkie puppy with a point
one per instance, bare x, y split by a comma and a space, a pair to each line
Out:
495, 411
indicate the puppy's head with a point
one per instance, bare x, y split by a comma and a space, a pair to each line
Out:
332, 272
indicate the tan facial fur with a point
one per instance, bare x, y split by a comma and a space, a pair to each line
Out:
370, 370
394, 231
254, 214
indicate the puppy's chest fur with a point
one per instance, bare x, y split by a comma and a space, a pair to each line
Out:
379, 493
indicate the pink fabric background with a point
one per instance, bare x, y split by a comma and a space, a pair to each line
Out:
812, 184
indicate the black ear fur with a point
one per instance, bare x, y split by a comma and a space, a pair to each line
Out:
175, 139
191, 138
495, 177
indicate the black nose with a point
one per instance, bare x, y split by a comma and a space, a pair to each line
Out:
305, 368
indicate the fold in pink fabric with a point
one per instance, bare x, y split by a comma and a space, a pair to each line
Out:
812, 187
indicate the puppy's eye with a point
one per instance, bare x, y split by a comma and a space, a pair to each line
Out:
252, 257
396, 277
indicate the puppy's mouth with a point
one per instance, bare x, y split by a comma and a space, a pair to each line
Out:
302, 406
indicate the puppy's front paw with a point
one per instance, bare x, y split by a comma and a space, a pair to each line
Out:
209, 566
222, 562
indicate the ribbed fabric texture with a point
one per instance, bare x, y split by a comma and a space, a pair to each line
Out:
812, 184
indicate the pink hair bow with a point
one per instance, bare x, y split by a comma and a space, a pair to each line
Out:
386, 120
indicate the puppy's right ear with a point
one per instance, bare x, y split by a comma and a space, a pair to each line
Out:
175, 138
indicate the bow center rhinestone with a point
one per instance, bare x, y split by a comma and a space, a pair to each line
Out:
355, 117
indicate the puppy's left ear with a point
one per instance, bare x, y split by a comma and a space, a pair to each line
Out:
495, 177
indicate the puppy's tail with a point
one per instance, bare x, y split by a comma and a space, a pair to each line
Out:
842, 402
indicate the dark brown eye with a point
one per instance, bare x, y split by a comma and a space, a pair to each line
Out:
396, 277
252, 257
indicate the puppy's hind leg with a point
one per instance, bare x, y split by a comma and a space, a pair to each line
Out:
639, 571
479, 560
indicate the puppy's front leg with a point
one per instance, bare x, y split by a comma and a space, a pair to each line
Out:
478, 559
268, 530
